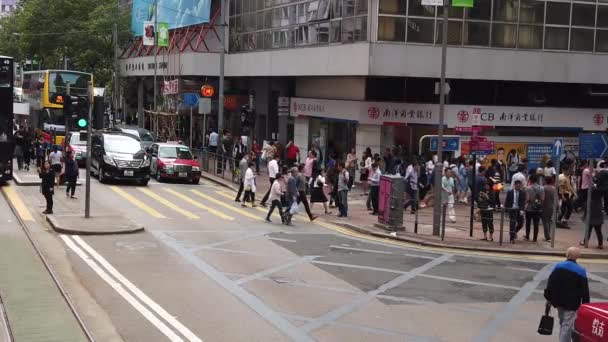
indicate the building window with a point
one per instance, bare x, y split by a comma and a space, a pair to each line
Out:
415, 8
420, 30
506, 10
504, 35
336, 6
558, 13
556, 38
581, 40
391, 29
336, 31
602, 16
481, 11
601, 41
392, 7
530, 37
583, 15
532, 12
476, 34
454, 32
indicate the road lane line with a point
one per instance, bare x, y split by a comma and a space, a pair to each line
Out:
285, 326
490, 329
138, 293
141, 205
227, 206
199, 205
122, 292
359, 249
17, 202
168, 203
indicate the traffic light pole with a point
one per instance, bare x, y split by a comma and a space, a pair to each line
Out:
220, 111
87, 198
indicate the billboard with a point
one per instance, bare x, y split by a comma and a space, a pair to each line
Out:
177, 13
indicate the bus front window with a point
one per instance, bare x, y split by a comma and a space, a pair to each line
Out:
58, 83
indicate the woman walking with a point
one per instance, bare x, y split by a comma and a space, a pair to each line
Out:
317, 195
275, 198
71, 175
249, 185
48, 185
301, 186
535, 195
447, 187
351, 166
366, 165
486, 207
463, 186
597, 217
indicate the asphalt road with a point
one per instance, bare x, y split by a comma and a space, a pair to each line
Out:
208, 270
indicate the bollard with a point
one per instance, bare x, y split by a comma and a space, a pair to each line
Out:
444, 207
502, 225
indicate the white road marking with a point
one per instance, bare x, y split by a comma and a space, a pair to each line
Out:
359, 249
138, 293
122, 292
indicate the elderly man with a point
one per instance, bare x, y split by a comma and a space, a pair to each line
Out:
566, 290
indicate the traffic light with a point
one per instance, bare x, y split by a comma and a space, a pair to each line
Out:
82, 110
76, 109
207, 90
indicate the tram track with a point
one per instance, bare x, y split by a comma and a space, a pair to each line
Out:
52, 273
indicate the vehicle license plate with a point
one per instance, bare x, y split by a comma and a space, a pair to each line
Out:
129, 173
183, 174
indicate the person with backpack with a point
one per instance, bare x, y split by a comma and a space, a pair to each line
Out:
535, 196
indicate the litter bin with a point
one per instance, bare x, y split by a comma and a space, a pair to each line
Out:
391, 202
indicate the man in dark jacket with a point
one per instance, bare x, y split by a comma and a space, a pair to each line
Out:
70, 174
566, 290
515, 205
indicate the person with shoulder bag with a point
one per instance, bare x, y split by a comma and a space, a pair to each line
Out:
535, 196
47, 186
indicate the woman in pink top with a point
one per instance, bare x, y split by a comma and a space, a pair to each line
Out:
310, 160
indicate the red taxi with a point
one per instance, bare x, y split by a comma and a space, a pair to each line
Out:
77, 146
591, 324
174, 161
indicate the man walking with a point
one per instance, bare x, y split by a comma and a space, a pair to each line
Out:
213, 140
374, 182
585, 182
71, 175
343, 178
515, 204
566, 193
243, 166
566, 290
56, 159
535, 196
273, 170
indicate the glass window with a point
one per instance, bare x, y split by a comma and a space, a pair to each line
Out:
583, 15
247, 6
477, 34
420, 30
504, 35
238, 7
392, 6
361, 29
454, 32
505, 10
481, 11
260, 5
336, 7
556, 38
349, 8
323, 33
581, 40
417, 9
391, 29
532, 12
249, 22
336, 33
259, 19
453, 13
302, 35
232, 7
268, 40
602, 16
323, 10
558, 13
260, 40
601, 41
530, 37
361, 7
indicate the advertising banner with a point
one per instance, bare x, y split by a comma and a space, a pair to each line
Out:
163, 34
178, 13
535, 154
149, 32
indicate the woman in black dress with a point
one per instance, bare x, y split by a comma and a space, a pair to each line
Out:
317, 195
48, 185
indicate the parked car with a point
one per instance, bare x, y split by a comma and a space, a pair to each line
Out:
142, 134
174, 161
117, 156
77, 146
591, 320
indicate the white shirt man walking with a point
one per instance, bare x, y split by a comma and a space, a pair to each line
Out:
273, 171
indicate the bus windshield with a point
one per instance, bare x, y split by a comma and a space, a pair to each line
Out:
58, 81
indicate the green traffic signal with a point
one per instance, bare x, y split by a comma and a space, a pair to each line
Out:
82, 123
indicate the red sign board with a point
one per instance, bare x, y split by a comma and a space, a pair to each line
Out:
483, 146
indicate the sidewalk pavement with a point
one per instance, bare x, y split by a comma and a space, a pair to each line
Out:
456, 234
29, 178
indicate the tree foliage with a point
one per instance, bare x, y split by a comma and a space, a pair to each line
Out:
47, 31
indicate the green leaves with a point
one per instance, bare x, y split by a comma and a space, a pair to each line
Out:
79, 29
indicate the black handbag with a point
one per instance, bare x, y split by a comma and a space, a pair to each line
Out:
546, 322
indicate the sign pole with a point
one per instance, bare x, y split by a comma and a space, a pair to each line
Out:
191, 130
557, 148
155, 56
439, 166
87, 198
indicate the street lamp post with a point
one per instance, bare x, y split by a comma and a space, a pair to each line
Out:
439, 165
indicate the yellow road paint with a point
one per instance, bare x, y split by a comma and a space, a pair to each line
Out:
199, 205
227, 206
17, 202
141, 205
168, 203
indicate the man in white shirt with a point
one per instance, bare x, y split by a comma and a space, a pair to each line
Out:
374, 182
56, 160
213, 140
273, 170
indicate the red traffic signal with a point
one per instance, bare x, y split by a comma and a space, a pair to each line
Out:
207, 90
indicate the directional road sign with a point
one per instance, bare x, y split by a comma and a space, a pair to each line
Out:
592, 145
558, 147
190, 99
449, 144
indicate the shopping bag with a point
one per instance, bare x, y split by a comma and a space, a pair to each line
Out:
294, 208
546, 322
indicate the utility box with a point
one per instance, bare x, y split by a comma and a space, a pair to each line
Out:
391, 202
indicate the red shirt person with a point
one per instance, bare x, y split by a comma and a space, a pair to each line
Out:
293, 152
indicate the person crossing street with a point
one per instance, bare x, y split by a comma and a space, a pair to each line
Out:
273, 172
243, 166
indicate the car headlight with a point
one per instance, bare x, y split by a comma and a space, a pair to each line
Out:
109, 160
196, 168
146, 163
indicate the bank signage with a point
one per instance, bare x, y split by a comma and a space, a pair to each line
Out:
383, 113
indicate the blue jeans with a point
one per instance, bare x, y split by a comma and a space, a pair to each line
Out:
566, 324
343, 202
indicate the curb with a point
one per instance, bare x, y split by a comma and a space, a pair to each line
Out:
422, 242
20, 182
134, 228
218, 182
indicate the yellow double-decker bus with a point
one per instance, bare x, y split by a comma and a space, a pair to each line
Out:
41, 86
